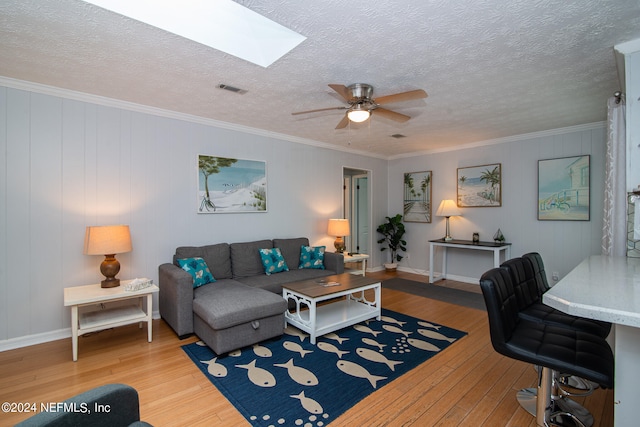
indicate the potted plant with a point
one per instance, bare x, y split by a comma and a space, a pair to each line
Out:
393, 230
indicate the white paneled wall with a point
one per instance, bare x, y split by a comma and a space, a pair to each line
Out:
562, 244
67, 163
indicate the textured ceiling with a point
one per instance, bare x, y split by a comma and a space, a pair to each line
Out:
492, 68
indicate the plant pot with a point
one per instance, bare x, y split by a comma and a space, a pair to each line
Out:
390, 267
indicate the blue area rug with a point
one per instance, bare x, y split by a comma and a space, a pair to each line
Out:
290, 382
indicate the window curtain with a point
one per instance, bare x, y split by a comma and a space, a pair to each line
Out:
614, 231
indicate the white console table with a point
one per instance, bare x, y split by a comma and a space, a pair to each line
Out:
496, 248
608, 289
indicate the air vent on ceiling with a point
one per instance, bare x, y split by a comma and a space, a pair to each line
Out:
398, 136
232, 89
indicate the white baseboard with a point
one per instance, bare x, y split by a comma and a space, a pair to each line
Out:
464, 279
34, 339
28, 340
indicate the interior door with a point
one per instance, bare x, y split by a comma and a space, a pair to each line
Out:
361, 214
357, 209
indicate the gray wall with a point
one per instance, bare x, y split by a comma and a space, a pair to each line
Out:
562, 244
67, 163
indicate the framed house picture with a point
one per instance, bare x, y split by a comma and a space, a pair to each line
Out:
417, 197
564, 189
480, 186
227, 185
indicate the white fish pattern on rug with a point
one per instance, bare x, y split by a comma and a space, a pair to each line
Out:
258, 376
374, 343
374, 356
429, 325
395, 330
287, 381
422, 345
335, 337
366, 330
214, 368
299, 374
308, 404
358, 371
297, 348
435, 335
392, 320
261, 351
330, 348
290, 330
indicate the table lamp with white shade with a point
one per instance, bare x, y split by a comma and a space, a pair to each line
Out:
448, 208
108, 240
339, 228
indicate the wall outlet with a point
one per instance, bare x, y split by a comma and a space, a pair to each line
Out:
555, 276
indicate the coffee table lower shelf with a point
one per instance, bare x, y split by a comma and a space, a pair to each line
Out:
331, 317
334, 314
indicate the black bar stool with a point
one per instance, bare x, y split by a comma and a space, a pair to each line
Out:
535, 269
529, 272
553, 348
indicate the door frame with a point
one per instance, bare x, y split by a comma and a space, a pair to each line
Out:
348, 202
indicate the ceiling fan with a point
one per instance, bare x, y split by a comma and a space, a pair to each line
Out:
362, 105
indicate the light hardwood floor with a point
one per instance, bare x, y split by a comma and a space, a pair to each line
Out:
469, 384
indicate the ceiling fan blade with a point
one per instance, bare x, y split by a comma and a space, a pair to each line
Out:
342, 91
319, 109
391, 115
400, 97
343, 123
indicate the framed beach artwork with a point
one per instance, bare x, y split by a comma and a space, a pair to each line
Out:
480, 186
417, 197
227, 185
564, 189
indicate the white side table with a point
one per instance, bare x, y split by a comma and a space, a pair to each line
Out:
98, 320
361, 258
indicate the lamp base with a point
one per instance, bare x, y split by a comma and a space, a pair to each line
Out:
110, 282
109, 268
447, 234
339, 245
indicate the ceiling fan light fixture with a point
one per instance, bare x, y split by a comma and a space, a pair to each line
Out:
358, 114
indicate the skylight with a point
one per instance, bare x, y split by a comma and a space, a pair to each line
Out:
221, 24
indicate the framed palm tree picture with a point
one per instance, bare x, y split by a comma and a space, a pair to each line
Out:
417, 196
228, 185
480, 186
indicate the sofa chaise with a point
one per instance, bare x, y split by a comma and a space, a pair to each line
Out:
242, 305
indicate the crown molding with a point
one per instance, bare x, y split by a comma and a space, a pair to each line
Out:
508, 139
145, 109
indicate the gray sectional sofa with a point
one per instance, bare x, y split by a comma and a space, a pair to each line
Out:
244, 305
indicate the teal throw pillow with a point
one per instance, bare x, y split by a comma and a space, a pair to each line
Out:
273, 261
198, 269
312, 257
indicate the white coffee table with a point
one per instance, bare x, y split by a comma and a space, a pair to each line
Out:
98, 320
317, 320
